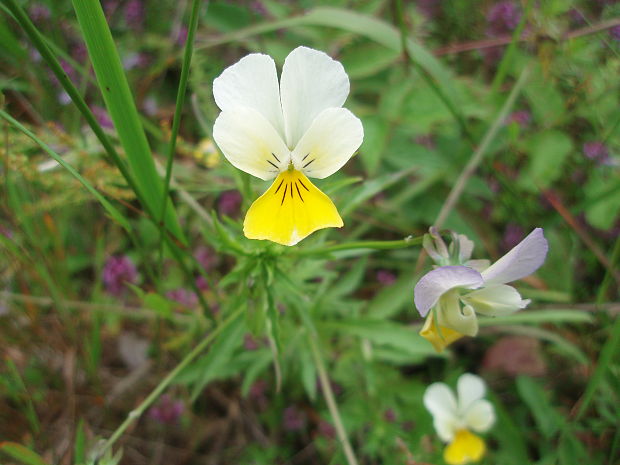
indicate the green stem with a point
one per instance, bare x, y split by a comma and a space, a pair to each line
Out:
163, 385
176, 120
374, 245
331, 402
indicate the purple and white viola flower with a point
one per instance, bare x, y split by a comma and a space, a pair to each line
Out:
456, 293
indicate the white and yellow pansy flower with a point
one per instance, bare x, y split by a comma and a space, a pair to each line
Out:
289, 131
456, 293
457, 418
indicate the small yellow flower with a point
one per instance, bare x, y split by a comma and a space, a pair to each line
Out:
290, 131
455, 417
207, 153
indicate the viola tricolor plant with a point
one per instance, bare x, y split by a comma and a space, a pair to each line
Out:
460, 288
457, 417
288, 131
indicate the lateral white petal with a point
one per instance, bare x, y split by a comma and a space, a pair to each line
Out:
495, 300
480, 416
250, 142
466, 247
525, 258
470, 388
311, 82
251, 82
435, 283
439, 400
333, 137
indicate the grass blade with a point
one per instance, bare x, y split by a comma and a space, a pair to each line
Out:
121, 107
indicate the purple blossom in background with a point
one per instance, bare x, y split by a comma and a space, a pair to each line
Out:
167, 411
429, 8
521, 117
229, 203
109, 7
516, 355
6, 232
134, 14
502, 18
39, 13
183, 296
79, 52
117, 271
512, 236
293, 419
102, 117
250, 342
63, 98
325, 429
258, 7
150, 107
258, 394
597, 151
181, 36
614, 32
206, 257
386, 277
201, 283
389, 415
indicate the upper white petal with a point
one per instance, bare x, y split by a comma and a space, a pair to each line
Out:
480, 416
250, 142
439, 400
525, 258
311, 82
333, 137
470, 388
495, 300
251, 82
466, 247
435, 283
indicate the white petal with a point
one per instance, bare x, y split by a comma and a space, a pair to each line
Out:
250, 142
478, 265
495, 300
480, 416
439, 400
333, 137
525, 258
311, 82
450, 315
251, 82
435, 283
470, 388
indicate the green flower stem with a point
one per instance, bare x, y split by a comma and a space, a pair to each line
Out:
163, 385
176, 121
331, 402
373, 245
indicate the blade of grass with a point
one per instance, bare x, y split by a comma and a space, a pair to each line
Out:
187, 59
610, 349
122, 109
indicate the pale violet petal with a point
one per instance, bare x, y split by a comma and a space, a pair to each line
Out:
478, 265
251, 82
311, 82
250, 142
525, 258
495, 300
466, 247
333, 137
470, 388
439, 400
435, 283
480, 416
451, 315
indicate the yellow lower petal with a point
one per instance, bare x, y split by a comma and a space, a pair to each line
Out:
440, 336
465, 448
290, 210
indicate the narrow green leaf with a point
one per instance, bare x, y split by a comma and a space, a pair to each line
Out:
21, 453
121, 107
546, 417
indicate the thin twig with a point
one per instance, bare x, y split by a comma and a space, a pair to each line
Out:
331, 402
